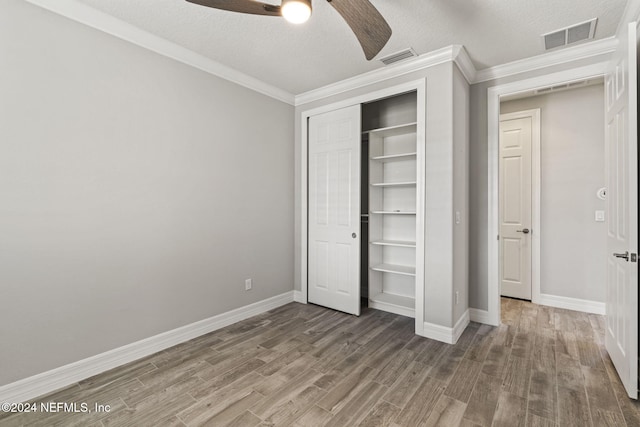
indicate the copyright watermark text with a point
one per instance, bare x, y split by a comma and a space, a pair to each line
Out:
53, 407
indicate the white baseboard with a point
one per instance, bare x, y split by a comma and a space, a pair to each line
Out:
297, 297
479, 316
576, 304
63, 376
445, 334
460, 326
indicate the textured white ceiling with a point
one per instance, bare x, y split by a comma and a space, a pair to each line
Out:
298, 58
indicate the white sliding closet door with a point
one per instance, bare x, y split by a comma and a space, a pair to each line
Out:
334, 210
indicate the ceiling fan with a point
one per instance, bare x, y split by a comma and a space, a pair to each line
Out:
370, 28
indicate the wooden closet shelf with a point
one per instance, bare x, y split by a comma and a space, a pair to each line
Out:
404, 270
402, 129
394, 184
398, 243
393, 213
398, 304
395, 157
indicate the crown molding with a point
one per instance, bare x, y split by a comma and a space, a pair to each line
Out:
91, 17
440, 56
631, 14
583, 51
457, 54
464, 63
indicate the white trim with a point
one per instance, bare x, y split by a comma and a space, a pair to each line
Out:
460, 326
536, 175
63, 376
304, 204
440, 56
576, 304
536, 186
421, 146
631, 14
298, 296
102, 21
444, 334
418, 85
582, 51
459, 55
493, 120
465, 65
479, 316
99, 20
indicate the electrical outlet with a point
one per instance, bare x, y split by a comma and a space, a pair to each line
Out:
457, 298
248, 285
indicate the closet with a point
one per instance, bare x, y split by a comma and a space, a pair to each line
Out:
389, 204
383, 206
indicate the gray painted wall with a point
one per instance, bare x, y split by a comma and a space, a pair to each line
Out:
460, 194
137, 193
478, 255
572, 244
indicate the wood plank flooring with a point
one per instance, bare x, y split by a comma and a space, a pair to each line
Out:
303, 365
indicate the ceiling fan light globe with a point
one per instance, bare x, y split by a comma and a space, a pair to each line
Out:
296, 11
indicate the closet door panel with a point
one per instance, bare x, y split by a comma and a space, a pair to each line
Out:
334, 210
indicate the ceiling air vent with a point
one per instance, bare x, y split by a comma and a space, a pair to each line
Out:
565, 36
543, 90
398, 56
566, 86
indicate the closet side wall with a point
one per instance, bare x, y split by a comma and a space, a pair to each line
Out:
439, 197
460, 195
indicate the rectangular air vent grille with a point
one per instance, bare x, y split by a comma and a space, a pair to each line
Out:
565, 86
554, 40
398, 56
569, 35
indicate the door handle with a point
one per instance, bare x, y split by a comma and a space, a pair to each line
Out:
354, 235
524, 230
624, 256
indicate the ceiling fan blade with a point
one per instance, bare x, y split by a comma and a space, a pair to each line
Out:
367, 24
242, 6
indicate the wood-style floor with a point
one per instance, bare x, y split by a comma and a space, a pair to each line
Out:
303, 365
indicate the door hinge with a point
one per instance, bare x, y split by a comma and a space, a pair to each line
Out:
498, 237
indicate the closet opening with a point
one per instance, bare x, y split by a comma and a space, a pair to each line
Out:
388, 204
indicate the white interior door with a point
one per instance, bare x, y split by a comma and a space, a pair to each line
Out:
334, 210
621, 335
515, 180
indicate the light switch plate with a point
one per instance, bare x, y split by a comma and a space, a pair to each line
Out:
599, 216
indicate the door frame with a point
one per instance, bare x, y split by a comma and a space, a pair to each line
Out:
493, 133
420, 87
535, 196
